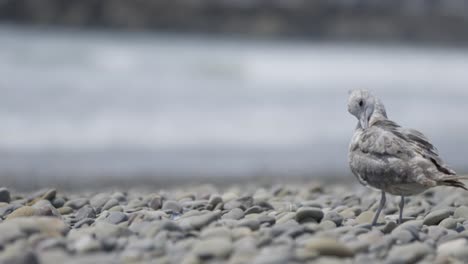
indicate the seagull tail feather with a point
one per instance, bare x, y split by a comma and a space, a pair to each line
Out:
454, 183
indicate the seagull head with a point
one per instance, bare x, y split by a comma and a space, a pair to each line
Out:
361, 104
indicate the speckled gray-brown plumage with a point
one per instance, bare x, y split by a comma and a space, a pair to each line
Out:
396, 160
388, 157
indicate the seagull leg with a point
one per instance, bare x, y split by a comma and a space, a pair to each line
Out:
381, 206
402, 204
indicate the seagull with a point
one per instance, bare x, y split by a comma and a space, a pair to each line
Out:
395, 160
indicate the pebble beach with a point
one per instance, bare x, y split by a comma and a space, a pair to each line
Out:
284, 223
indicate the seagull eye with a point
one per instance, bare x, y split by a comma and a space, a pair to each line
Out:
361, 103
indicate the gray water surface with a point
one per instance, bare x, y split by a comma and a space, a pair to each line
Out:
103, 104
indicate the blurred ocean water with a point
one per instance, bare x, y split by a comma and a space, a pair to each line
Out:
106, 104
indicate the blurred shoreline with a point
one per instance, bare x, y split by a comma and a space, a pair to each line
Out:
361, 20
280, 110
151, 181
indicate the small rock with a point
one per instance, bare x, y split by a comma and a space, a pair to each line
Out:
185, 196
229, 195
18, 253
348, 213
382, 246
116, 217
8, 209
413, 211
5, 195
409, 253
170, 226
404, 236
10, 232
111, 203
119, 196
334, 217
53, 256
216, 247
65, 210
266, 219
436, 232
305, 214
303, 255
276, 254
311, 204
361, 258
104, 230
451, 235
455, 248
172, 206
196, 204
83, 222
58, 202
254, 210
388, 227
234, 214
461, 212
283, 206
199, 221
242, 203
86, 244
366, 217
49, 195
261, 195
50, 226
294, 230
435, 217
98, 201
327, 225
412, 225
155, 202
396, 218
77, 203
215, 200
220, 231
449, 223
41, 195
253, 224
141, 245
117, 208
285, 217
329, 247
85, 212
51, 243
45, 208
266, 206
365, 240
22, 212
406, 233
244, 251
240, 232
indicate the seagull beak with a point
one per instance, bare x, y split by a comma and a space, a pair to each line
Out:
363, 120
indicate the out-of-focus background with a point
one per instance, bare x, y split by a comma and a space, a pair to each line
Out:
109, 92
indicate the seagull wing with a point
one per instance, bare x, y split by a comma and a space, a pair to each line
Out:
424, 148
380, 155
386, 154
423, 153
